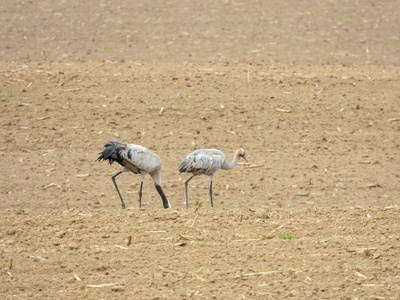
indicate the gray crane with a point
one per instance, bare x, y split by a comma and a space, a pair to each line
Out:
207, 162
138, 160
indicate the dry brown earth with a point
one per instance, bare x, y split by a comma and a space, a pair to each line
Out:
310, 90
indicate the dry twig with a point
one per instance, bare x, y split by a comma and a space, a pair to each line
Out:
360, 275
254, 166
279, 227
283, 110
199, 203
195, 220
100, 285
170, 271
52, 184
77, 278
262, 273
394, 120
121, 247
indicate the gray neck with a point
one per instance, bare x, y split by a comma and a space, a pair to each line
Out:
230, 165
163, 197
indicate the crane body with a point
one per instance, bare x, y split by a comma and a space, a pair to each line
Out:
207, 162
138, 160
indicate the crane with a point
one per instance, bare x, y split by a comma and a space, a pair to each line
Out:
207, 162
138, 160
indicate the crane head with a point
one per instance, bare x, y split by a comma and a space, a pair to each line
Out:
241, 154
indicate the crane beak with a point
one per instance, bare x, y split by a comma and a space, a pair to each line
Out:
245, 159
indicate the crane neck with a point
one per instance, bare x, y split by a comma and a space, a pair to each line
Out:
230, 165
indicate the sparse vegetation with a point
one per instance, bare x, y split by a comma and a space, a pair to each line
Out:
10, 94
286, 236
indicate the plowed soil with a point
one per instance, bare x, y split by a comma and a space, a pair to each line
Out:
309, 89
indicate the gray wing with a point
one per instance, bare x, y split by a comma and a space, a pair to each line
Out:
142, 158
203, 161
136, 158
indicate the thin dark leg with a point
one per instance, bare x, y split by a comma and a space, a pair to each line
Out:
212, 204
163, 197
113, 179
140, 194
186, 190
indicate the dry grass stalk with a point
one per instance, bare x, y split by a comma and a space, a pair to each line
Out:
195, 220
360, 275
283, 110
199, 203
120, 247
373, 185
82, 175
37, 258
77, 278
43, 118
52, 184
186, 237
360, 250
100, 285
254, 166
279, 227
262, 273
249, 165
170, 271
181, 244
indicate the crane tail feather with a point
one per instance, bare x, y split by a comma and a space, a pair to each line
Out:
186, 166
112, 152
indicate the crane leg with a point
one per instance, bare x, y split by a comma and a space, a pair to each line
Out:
212, 204
113, 179
140, 194
186, 191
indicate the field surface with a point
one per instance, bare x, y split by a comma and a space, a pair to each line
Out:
310, 90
